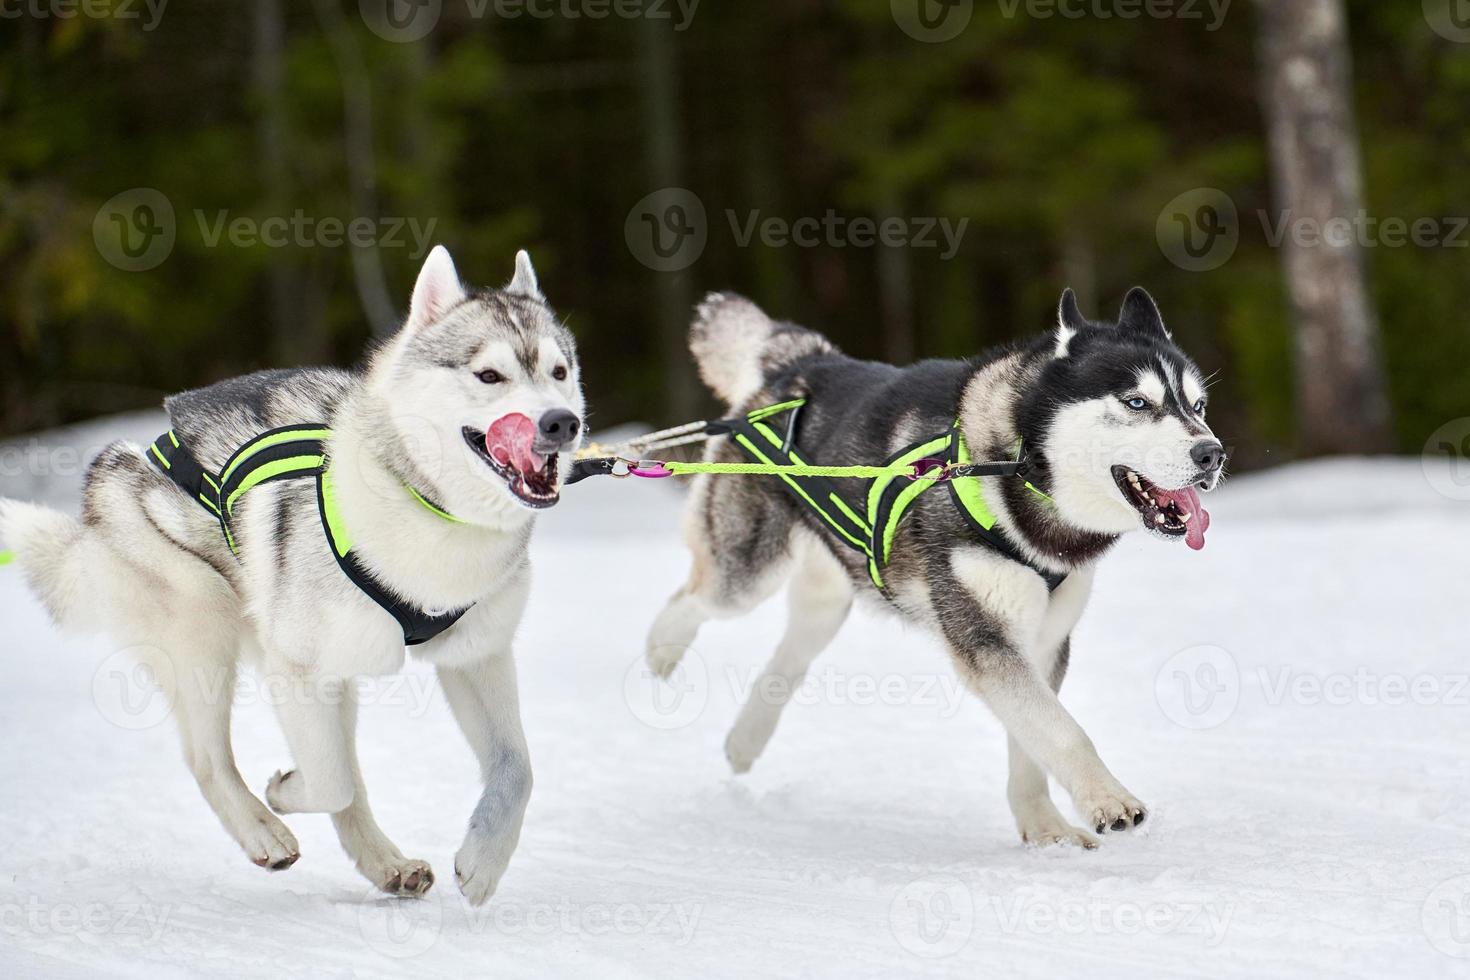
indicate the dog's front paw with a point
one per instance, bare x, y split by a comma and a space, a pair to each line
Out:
407, 877
270, 844
1110, 808
480, 864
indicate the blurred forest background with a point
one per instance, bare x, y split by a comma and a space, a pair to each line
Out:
1062, 140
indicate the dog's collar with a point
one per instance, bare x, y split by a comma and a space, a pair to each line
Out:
432, 507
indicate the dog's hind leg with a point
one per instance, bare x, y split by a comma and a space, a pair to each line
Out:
376, 857
740, 542
202, 698
819, 599
136, 568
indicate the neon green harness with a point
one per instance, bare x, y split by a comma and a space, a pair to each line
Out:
896, 485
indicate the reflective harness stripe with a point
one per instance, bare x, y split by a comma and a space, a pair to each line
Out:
890, 495
291, 453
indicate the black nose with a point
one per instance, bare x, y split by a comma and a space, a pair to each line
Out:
560, 426
1208, 455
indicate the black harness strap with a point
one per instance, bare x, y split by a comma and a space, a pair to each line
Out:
290, 453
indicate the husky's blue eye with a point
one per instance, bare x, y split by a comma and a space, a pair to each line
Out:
1199, 407
1137, 404
490, 377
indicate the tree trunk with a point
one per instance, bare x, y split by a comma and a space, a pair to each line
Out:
295, 340
660, 90
362, 167
1307, 75
896, 299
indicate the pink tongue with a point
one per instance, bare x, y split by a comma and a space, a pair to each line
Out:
1188, 502
510, 440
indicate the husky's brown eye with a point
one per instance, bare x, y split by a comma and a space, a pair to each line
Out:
490, 377
559, 372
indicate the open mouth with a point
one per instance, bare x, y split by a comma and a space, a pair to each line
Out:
1172, 513
531, 478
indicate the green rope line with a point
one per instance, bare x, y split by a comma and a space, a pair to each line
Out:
794, 469
6, 557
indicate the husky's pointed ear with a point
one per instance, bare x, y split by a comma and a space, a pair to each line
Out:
1141, 313
1070, 321
525, 277
437, 290
1069, 314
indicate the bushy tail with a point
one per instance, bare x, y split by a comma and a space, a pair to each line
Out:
54, 552
736, 345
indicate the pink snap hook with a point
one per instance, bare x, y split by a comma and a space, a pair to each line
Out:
650, 470
925, 469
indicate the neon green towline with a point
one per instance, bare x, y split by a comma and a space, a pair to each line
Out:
6, 557
792, 469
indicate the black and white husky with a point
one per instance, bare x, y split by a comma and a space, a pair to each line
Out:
1110, 420
438, 453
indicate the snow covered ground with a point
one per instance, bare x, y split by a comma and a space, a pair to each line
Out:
1292, 702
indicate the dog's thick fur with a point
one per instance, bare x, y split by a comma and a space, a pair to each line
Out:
149, 566
1066, 397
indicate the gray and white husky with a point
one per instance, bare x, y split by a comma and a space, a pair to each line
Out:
1111, 420
441, 413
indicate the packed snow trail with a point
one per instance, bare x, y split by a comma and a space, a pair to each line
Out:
1291, 702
